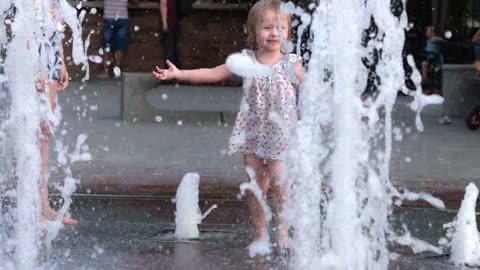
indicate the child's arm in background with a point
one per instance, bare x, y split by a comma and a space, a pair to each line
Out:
299, 71
203, 75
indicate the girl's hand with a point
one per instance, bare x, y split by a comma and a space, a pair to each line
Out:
63, 82
167, 74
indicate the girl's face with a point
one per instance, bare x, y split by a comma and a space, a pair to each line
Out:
270, 31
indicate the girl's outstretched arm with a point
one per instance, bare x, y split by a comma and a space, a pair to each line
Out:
203, 75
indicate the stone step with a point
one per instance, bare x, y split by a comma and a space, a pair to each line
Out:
146, 99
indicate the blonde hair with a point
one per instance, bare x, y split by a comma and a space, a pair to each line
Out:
255, 14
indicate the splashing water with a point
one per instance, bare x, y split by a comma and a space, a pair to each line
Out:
340, 194
188, 215
420, 100
29, 35
261, 246
465, 238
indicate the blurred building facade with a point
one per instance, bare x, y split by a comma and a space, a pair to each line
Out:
215, 29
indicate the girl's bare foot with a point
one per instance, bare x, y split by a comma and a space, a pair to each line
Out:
50, 214
260, 247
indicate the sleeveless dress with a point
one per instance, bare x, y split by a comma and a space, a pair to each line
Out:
268, 111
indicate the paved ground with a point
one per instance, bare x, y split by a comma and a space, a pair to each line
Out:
148, 157
138, 166
123, 234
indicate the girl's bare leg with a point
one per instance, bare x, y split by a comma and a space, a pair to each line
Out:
279, 190
47, 212
256, 211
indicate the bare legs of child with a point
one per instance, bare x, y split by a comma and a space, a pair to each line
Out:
268, 175
279, 191
257, 214
47, 212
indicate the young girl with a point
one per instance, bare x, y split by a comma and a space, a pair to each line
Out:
268, 111
56, 78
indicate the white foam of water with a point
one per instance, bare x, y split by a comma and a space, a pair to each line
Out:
340, 194
304, 17
420, 100
448, 34
117, 71
260, 246
31, 26
95, 59
188, 215
245, 66
69, 14
465, 242
416, 245
23, 123
415, 196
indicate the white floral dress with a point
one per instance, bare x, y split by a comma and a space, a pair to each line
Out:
268, 111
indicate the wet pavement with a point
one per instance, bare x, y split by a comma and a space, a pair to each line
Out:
124, 201
136, 233
150, 158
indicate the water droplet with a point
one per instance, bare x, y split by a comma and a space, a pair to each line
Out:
116, 71
95, 59
66, 253
448, 34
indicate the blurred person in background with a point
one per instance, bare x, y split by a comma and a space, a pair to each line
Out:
115, 34
169, 23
